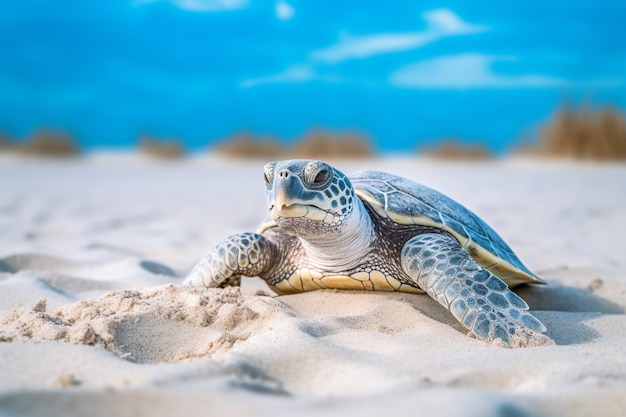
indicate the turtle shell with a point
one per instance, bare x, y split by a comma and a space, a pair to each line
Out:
406, 202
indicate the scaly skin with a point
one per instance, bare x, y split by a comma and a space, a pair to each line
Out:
479, 300
248, 254
325, 236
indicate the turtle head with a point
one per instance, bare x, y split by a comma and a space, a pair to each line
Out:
307, 197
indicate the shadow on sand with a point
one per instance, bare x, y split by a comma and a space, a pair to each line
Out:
565, 309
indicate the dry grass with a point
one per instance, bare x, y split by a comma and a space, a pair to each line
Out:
584, 134
161, 148
322, 144
454, 149
6, 143
245, 145
316, 144
50, 144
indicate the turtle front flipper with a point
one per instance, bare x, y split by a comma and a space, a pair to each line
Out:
482, 302
246, 254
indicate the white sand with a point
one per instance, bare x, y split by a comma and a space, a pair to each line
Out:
93, 321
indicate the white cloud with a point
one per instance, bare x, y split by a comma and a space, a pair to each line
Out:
466, 71
201, 5
441, 23
448, 22
284, 11
294, 74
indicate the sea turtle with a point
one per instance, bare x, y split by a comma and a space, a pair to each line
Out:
377, 231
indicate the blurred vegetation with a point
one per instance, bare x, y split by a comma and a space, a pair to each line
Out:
320, 144
585, 133
245, 145
43, 143
316, 144
454, 149
6, 144
161, 148
582, 133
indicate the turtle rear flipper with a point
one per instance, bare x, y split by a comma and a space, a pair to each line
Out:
479, 300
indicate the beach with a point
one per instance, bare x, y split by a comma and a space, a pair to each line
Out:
95, 321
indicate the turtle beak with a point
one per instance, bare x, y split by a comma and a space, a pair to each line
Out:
281, 198
285, 193
289, 197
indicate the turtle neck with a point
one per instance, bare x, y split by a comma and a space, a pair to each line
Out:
344, 248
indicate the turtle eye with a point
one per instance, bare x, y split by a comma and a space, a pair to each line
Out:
321, 176
317, 175
268, 173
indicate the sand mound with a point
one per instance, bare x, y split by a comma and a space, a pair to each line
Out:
134, 324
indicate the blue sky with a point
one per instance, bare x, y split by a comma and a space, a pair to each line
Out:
405, 72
